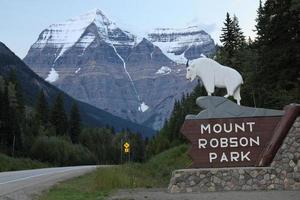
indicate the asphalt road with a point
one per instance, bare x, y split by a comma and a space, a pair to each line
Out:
25, 185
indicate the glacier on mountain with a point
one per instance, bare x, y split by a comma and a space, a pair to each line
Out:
143, 107
164, 70
77, 70
52, 76
182, 44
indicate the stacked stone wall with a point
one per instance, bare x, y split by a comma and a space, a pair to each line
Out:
283, 173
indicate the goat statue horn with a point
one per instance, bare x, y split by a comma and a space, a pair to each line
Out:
187, 63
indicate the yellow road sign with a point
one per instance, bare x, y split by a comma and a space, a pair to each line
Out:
126, 145
126, 150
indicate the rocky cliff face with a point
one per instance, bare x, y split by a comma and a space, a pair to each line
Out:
95, 61
182, 44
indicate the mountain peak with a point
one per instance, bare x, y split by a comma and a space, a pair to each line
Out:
66, 34
146, 41
95, 11
97, 16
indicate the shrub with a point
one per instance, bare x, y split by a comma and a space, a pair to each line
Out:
11, 164
60, 152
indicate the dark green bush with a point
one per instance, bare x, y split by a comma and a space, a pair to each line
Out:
11, 164
61, 152
100, 142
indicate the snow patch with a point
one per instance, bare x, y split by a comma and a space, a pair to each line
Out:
175, 42
164, 70
167, 49
143, 107
125, 69
77, 70
52, 76
151, 54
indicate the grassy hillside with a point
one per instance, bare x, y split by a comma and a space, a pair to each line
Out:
154, 173
11, 164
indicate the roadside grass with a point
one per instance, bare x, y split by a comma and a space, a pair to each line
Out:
75, 189
12, 164
99, 184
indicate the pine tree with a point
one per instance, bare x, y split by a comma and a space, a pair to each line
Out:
228, 41
14, 119
19, 94
41, 109
278, 47
260, 22
5, 118
239, 38
12, 96
58, 116
3, 114
75, 123
137, 147
233, 40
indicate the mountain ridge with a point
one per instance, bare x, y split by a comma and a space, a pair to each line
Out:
114, 70
31, 84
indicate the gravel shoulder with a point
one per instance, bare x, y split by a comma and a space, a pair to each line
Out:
161, 194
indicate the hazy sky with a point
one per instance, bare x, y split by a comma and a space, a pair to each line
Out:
21, 21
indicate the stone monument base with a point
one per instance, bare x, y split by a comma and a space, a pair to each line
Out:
283, 173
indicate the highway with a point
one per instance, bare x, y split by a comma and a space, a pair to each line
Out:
25, 185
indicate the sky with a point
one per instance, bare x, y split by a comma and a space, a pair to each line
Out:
21, 21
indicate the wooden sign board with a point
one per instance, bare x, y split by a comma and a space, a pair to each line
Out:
237, 142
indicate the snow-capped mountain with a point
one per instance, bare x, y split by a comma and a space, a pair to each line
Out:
78, 32
182, 44
67, 34
95, 61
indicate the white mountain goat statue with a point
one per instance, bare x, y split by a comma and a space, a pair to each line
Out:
213, 74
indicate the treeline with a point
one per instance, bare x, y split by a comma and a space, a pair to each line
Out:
170, 136
49, 133
12, 114
269, 65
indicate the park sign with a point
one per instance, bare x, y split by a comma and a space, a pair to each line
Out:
228, 142
225, 134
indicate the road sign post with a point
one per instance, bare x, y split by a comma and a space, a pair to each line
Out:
126, 146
